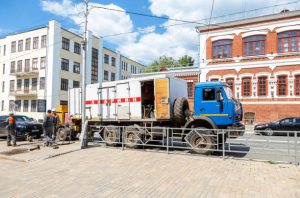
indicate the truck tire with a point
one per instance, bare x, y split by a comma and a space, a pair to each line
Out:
133, 137
62, 134
181, 110
111, 135
203, 141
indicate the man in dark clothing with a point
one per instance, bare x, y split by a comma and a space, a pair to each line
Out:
11, 130
56, 122
48, 125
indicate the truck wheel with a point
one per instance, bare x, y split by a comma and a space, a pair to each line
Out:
202, 141
62, 134
111, 135
181, 110
133, 137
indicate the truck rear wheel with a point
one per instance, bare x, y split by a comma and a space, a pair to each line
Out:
181, 110
202, 141
111, 135
133, 137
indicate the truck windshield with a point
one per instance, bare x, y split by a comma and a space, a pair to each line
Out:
229, 94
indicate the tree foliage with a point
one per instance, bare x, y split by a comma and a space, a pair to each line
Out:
165, 62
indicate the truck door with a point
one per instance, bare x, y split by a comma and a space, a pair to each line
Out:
111, 103
122, 96
103, 95
162, 106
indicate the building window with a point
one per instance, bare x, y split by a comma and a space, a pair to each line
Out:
12, 67
64, 84
65, 43
17, 105
105, 75
11, 105
35, 43
289, 41
27, 44
113, 76
76, 84
13, 46
64, 64
43, 41
254, 45
43, 62
19, 66
94, 74
77, 48
12, 86
34, 84
25, 106
281, 85
2, 105
76, 68
3, 69
33, 106
106, 59
42, 82
262, 86
190, 89
246, 87
19, 84
230, 83
222, 49
3, 86
26, 85
63, 102
34, 64
20, 45
27, 65
113, 61
297, 85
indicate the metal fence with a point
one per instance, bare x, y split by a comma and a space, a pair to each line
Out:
280, 146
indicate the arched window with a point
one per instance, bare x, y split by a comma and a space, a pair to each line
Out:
289, 41
262, 86
297, 85
282, 85
230, 82
246, 86
222, 49
254, 45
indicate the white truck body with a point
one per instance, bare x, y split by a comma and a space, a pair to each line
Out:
146, 98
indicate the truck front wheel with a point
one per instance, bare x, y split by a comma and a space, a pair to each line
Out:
111, 135
202, 141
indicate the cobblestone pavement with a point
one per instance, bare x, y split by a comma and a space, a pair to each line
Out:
110, 172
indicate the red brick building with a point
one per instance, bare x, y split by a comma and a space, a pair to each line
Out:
260, 59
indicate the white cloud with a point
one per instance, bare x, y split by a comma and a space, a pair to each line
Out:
175, 41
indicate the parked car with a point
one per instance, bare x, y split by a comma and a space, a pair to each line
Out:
24, 125
279, 127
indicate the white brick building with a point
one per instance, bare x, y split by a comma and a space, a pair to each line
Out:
37, 68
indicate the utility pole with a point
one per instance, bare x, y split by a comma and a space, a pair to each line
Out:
83, 143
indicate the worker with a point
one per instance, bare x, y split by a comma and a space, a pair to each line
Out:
56, 122
48, 126
11, 129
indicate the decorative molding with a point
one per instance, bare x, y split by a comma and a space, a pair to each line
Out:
222, 37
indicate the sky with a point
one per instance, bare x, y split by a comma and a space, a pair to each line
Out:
149, 39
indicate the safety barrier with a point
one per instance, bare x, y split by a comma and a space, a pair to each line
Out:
280, 146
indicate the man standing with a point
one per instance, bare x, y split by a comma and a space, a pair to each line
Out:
48, 125
56, 122
11, 129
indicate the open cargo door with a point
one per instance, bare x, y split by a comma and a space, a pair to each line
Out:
122, 97
162, 106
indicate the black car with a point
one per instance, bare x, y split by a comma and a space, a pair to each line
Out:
279, 127
24, 125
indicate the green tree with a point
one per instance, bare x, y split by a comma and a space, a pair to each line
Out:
169, 62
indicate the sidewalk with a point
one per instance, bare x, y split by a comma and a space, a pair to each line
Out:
111, 172
28, 152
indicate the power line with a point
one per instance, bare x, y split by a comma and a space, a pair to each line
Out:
184, 21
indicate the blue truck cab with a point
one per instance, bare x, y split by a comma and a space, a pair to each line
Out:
215, 102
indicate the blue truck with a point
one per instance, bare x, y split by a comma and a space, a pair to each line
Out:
135, 110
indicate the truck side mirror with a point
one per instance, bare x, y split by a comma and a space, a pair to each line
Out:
219, 95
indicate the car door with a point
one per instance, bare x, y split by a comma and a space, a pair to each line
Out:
286, 125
